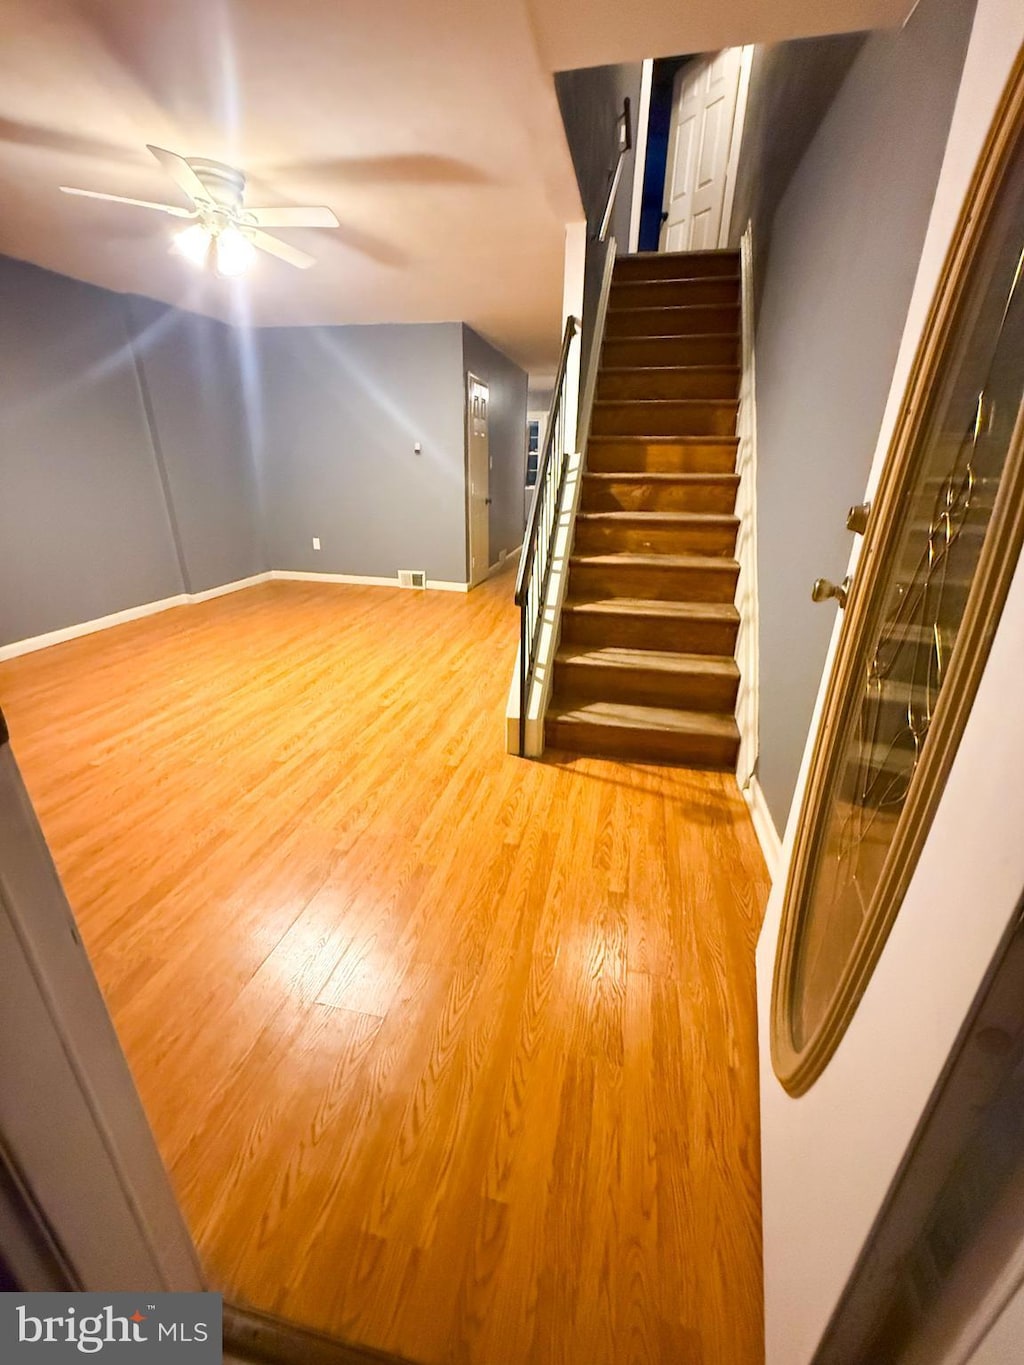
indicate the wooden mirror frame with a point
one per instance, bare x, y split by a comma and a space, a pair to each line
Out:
797, 1068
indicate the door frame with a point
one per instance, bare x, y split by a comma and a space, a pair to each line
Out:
472, 379
109, 1218
736, 145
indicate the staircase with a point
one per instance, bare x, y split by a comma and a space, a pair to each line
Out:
645, 666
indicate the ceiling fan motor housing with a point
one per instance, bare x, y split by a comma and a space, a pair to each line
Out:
223, 184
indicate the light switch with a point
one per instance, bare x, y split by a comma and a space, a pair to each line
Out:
316, 542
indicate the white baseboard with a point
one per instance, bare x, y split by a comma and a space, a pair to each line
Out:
225, 588
504, 559
764, 827
119, 618
360, 580
116, 618
184, 599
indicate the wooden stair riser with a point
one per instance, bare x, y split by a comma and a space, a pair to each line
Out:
672, 293
633, 745
670, 382
611, 456
668, 583
718, 349
628, 631
689, 417
676, 265
690, 691
703, 493
651, 538
669, 322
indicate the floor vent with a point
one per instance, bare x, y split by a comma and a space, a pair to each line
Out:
412, 578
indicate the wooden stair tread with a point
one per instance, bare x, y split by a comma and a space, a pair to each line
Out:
691, 337
674, 308
634, 559
677, 279
641, 256
663, 518
652, 607
693, 479
670, 369
605, 438
661, 660
663, 402
622, 715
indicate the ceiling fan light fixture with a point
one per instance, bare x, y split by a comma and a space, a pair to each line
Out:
194, 244
224, 234
235, 253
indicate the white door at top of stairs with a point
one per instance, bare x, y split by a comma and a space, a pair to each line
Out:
701, 136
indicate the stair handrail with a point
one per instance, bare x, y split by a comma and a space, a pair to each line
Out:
625, 127
541, 528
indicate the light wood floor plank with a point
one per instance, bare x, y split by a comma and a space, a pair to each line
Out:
447, 1053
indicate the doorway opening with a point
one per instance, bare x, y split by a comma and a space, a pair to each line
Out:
695, 128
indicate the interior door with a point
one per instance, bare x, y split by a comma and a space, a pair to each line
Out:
903, 863
479, 481
700, 138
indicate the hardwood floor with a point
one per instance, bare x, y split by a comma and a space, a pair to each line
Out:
448, 1053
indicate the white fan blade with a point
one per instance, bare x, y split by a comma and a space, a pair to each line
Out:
138, 203
181, 173
318, 217
281, 250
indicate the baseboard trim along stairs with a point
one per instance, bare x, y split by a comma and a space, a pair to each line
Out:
645, 667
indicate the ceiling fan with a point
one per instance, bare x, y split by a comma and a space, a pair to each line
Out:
224, 232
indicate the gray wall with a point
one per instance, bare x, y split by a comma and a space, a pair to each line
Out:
84, 526
846, 237
342, 410
791, 87
590, 101
125, 464
508, 386
192, 384
139, 459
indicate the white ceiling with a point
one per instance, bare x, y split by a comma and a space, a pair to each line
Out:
429, 126
573, 33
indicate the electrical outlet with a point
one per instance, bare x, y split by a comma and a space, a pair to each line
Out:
316, 542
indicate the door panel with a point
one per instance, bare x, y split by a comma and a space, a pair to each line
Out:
703, 115
479, 478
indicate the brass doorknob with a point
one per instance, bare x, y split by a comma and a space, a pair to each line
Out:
857, 518
824, 588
